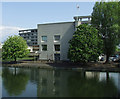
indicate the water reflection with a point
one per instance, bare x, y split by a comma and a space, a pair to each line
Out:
89, 85
14, 81
59, 83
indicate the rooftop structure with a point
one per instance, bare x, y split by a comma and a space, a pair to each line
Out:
81, 18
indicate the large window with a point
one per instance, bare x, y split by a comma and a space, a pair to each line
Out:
44, 38
44, 47
57, 47
56, 38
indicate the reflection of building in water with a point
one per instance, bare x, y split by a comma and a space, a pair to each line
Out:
92, 74
34, 75
50, 82
58, 83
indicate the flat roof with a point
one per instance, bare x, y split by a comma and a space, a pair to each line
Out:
27, 30
82, 16
55, 23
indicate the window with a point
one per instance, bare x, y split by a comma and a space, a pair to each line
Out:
57, 47
32, 30
32, 40
56, 37
44, 38
44, 47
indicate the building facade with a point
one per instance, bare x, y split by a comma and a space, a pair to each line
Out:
30, 36
53, 38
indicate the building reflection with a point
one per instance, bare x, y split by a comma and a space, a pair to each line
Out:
54, 83
61, 83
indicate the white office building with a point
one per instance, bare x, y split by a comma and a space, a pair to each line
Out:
53, 38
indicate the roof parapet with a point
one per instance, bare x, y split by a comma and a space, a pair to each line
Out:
79, 18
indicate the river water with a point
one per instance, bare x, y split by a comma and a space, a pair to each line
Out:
34, 82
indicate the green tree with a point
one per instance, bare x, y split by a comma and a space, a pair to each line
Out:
105, 19
15, 47
85, 45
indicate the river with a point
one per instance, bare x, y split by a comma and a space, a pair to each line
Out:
34, 82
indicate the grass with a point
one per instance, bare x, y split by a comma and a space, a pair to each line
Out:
26, 58
18, 59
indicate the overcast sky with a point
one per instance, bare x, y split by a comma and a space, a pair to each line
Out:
25, 15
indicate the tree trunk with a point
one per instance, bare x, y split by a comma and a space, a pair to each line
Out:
15, 59
107, 59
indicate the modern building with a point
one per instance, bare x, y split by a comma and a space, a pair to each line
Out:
53, 38
30, 36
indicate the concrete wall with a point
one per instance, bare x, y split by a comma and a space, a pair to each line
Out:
64, 29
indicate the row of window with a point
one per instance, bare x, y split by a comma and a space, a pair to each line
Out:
30, 37
34, 43
56, 47
28, 34
56, 38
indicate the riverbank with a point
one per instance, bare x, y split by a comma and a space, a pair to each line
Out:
101, 67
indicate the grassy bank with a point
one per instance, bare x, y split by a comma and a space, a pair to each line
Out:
19, 59
110, 67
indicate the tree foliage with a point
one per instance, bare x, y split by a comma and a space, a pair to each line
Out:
105, 19
14, 47
85, 45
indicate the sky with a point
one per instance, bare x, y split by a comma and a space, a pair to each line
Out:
26, 15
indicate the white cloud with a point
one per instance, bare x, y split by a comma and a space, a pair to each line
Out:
6, 31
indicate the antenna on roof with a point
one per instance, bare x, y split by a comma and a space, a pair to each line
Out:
77, 6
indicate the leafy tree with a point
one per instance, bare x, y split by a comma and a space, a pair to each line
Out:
85, 45
15, 47
105, 19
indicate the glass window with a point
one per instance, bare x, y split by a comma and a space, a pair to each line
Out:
44, 47
57, 47
57, 37
44, 38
